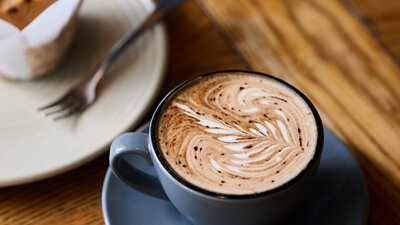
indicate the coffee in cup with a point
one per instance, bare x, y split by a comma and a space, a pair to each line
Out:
237, 134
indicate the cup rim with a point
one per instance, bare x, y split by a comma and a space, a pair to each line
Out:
193, 188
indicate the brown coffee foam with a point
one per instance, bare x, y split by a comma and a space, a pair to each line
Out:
201, 128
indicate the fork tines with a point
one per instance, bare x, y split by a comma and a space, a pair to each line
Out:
61, 108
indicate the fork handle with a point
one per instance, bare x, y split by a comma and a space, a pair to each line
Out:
159, 12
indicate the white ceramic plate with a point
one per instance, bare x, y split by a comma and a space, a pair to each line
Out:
33, 147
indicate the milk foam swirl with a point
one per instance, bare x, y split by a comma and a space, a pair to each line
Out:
237, 134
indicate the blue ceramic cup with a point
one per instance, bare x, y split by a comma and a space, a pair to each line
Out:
203, 207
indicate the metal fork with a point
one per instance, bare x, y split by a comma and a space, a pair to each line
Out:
81, 96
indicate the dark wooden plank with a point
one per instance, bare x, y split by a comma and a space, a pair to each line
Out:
383, 19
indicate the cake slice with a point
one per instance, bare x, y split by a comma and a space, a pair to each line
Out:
21, 12
35, 46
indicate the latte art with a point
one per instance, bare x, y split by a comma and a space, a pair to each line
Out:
237, 134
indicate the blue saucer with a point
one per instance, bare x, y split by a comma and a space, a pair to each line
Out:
338, 195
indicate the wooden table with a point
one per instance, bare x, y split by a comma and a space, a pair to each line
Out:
343, 54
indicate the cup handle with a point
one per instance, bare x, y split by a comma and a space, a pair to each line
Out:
135, 144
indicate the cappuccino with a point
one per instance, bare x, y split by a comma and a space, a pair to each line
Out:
237, 133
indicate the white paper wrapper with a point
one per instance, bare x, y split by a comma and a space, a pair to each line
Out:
39, 47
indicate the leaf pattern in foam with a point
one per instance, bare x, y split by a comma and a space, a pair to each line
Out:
245, 144
237, 134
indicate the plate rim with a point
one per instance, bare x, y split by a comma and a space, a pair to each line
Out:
159, 30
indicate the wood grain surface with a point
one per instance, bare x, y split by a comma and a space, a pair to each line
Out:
323, 47
383, 20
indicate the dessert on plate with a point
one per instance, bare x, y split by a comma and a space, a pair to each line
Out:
34, 36
21, 12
